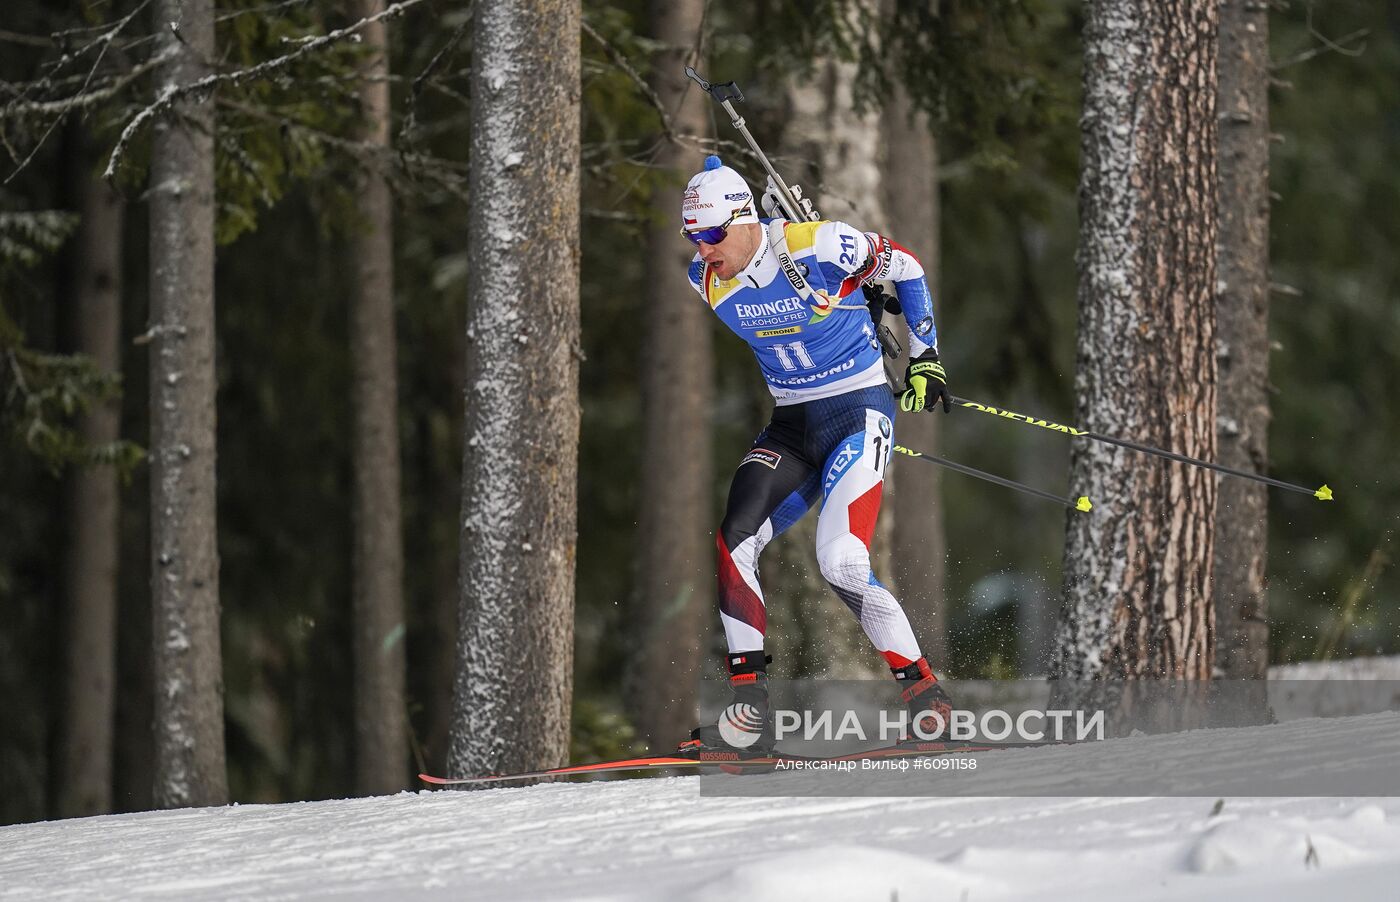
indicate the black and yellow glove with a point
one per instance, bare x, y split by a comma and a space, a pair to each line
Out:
927, 384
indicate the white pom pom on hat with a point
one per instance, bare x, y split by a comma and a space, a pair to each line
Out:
714, 194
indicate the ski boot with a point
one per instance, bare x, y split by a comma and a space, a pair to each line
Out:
745, 728
923, 694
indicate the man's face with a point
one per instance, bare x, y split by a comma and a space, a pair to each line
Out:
733, 253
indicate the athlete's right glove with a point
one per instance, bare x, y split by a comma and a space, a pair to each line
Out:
927, 384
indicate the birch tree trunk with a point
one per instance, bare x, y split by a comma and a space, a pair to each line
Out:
89, 713
189, 711
839, 153
1242, 338
520, 472
916, 510
675, 549
1137, 587
381, 728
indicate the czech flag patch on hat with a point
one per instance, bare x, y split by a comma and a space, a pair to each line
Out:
714, 195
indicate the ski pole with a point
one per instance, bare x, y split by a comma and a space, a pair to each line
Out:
727, 92
1081, 503
878, 306
1322, 494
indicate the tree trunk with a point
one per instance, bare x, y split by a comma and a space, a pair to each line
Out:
1137, 587
189, 710
439, 466
86, 751
520, 471
381, 728
920, 543
675, 549
134, 753
440, 661
838, 150
1242, 338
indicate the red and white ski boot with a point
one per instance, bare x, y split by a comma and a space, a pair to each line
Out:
929, 706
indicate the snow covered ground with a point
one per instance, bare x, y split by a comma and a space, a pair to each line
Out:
664, 839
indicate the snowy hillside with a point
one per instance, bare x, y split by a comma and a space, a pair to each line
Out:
663, 839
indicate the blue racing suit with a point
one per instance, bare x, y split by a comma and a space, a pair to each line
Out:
804, 353
830, 438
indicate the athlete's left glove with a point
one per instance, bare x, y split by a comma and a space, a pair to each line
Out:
927, 384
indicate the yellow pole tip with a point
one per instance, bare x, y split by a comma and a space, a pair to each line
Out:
1083, 503
1323, 494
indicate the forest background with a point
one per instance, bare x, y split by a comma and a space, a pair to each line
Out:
1006, 124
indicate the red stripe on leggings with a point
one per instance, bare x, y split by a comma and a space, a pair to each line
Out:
862, 512
736, 599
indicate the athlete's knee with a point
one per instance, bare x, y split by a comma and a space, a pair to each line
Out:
740, 546
734, 529
844, 561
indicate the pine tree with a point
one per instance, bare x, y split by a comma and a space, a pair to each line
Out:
837, 149
916, 510
1137, 572
520, 471
189, 713
675, 554
381, 728
1242, 338
94, 502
